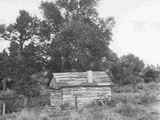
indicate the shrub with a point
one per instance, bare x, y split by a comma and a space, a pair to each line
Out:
144, 93
100, 113
125, 109
44, 116
147, 98
41, 100
124, 98
14, 105
27, 115
148, 92
133, 111
32, 114
120, 89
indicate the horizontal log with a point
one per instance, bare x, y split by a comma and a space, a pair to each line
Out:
87, 88
99, 73
101, 77
105, 83
68, 76
70, 79
94, 89
79, 93
71, 74
89, 92
59, 86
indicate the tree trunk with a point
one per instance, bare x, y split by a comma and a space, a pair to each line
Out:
4, 86
62, 63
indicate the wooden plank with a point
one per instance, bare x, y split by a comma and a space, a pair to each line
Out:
70, 78
106, 83
74, 84
76, 74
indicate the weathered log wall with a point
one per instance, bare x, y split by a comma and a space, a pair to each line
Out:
84, 95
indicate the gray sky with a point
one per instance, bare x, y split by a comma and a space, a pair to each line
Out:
137, 28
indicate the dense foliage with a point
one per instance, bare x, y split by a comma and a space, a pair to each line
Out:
127, 70
79, 38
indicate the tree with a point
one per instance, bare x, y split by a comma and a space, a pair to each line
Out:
127, 70
22, 69
150, 74
20, 31
2, 28
4, 71
79, 38
24, 58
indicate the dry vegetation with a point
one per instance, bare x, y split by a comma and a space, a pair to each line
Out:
128, 103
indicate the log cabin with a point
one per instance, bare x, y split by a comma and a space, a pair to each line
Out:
78, 89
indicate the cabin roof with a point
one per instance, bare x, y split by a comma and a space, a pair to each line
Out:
75, 79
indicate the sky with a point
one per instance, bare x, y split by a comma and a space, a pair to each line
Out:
136, 31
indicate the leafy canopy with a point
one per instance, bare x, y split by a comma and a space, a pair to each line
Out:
80, 39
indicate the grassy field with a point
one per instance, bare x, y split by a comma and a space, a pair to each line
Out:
128, 103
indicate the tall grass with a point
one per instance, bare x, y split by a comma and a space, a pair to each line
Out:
126, 104
121, 112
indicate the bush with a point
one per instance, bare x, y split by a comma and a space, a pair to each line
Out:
100, 113
144, 93
41, 100
31, 114
120, 89
126, 109
125, 98
27, 115
133, 111
147, 98
14, 105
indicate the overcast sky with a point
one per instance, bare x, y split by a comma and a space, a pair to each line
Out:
137, 28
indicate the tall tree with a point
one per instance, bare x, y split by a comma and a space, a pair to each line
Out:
2, 28
20, 31
79, 38
4, 69
24, 58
